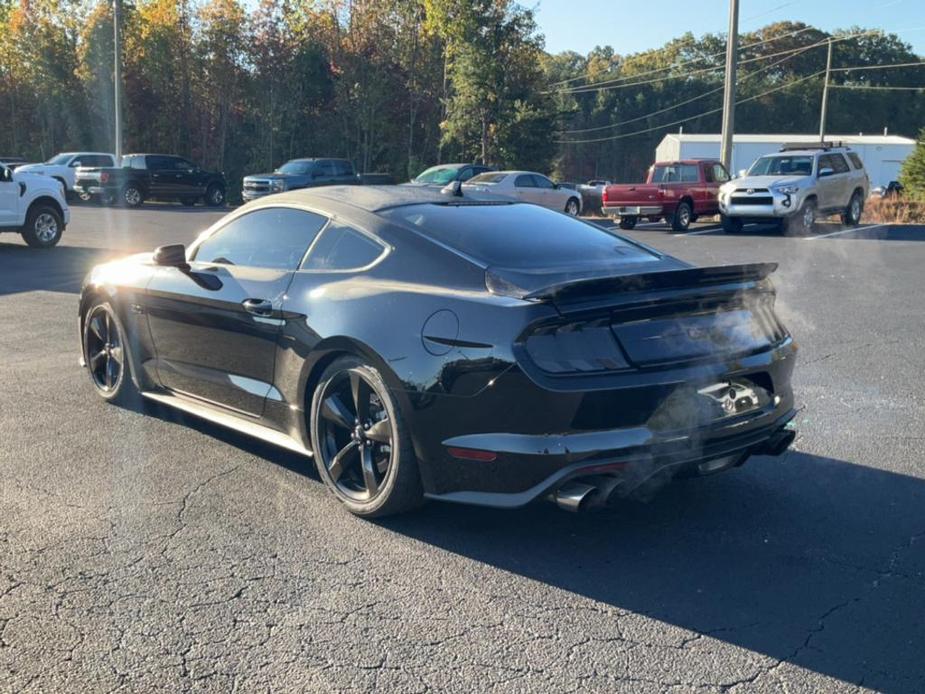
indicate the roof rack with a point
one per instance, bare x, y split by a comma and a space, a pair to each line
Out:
791, 146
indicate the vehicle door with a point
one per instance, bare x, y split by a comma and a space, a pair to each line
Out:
9, 197
343, 171
163, 177
525, 189
715, 175
325, 173
215, 325
190, 179
551, 197
843, 180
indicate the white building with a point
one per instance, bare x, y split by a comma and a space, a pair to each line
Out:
882, 155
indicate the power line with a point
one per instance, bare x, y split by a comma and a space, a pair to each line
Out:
687, 101
608, 87
688, 118
872, 86
683, 62
878, 67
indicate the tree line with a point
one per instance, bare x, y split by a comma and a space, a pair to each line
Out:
398, 85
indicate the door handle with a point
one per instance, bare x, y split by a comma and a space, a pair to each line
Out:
259, 307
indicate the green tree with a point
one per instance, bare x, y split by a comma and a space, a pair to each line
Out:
912, 175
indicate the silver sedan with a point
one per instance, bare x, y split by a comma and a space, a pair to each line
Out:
527, 186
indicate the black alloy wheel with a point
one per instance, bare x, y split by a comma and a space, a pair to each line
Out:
132, 195
215, 196
104, 351
361, 449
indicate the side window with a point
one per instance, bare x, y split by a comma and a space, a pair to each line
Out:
341, 247
465, 174
343, 168
855, 160
720, 175
327, 168
159, 163
275, 237
141, 163
524, 181
180, 164
689, 173
81, 161
543, 182
839, 164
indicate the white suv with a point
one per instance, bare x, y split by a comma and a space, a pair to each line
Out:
33, 206
63, 167
796, 186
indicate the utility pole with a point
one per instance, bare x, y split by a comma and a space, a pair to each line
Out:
117, 77
729, 90
825, 93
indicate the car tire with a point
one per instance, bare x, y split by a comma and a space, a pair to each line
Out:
803, 222
44, 226
572, 207
731, 225
132, 196
681, 220
362, 445
851, 217
627, 222
215, 195
105, 350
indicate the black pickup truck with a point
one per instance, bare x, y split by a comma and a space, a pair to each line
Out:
152, 176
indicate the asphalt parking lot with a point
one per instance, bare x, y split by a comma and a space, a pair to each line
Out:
144, 550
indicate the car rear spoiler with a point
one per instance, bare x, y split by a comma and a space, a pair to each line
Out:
649, 281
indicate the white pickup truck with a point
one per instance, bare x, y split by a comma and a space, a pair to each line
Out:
34, 206
63, 167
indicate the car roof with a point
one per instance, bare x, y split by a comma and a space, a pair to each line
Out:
369, 198
318, 159
517, 173
809, 152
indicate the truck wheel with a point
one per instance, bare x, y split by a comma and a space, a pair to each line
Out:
132, 196
852, 214
44, 227
627, 222
731, 225
215, 195
802, 222
682, 217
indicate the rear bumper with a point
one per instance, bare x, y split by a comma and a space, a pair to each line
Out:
620, 210
632, 456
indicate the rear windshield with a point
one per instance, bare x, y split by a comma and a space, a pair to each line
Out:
673, 173
522, 237
296, 167
440, 175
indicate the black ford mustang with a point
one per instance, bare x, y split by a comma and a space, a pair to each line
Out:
419, 344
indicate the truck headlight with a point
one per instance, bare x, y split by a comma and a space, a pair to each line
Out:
277, 186
786, 190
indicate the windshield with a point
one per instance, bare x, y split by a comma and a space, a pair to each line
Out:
489, 178
295, 168
59, 159
441, 175
782, 166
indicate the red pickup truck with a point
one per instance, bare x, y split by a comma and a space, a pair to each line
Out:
676, 191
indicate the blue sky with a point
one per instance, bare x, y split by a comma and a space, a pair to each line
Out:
634, 25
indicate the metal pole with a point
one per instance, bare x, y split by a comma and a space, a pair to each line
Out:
825, 94
729, 91
117, 77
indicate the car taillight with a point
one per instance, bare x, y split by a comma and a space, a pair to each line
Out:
604, 194
104, 177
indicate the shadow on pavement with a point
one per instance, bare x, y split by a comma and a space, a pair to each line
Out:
58, 269
806, 559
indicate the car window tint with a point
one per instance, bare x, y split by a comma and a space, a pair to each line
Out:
519, 235
275, 237
341, 247
327, 167
465, 174
343, 168
543, 182
720, 175
489, 177
856, 160
140, 163
157, 162
525, 181
690, 173
839, 163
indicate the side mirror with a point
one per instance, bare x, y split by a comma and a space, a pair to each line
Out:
173, 255
453, 188
825, 172
741, 174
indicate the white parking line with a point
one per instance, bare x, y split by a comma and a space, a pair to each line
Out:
700, 231
844, 231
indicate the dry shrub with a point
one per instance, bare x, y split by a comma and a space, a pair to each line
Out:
894, 211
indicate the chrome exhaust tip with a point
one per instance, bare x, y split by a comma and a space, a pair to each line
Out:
571, 496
